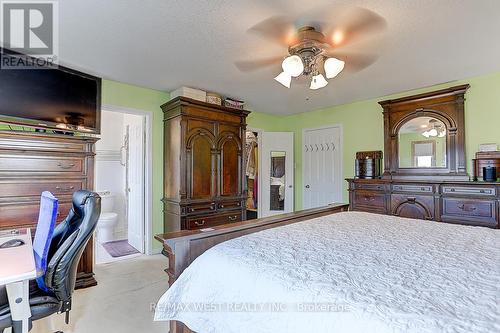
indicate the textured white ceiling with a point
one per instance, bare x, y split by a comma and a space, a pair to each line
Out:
164, 44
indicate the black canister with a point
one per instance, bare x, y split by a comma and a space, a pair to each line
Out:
489, 174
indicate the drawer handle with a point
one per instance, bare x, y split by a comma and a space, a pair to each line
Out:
369, 199
232, 218
199, 223
221, 206
466, 208
65, 189
481, 191
192, 209
66, 166
411, 200
452, 190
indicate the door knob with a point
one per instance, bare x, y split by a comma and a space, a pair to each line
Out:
307, 186
290, 186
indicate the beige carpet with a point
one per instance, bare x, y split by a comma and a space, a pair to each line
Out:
120, 303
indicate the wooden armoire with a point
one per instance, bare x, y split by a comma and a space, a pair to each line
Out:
203, 164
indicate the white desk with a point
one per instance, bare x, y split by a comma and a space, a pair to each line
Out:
16, 269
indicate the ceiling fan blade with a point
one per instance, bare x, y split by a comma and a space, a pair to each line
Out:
354, 62
354, 24
277, 29
252, 65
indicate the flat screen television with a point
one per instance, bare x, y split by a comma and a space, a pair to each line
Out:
58, 98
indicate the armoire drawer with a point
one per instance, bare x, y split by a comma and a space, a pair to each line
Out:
456, 209
234, 204
201, 207
26, 214
25, 164
210, 221
23, 188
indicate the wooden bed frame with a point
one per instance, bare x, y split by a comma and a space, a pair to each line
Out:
182, 247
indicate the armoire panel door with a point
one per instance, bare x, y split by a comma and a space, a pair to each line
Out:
230, 165
200, 166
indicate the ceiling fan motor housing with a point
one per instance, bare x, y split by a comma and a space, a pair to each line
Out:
311, 44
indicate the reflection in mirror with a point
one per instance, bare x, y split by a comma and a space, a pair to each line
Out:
422, 143
277, 189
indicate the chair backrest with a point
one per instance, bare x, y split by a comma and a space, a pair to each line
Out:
68, 242
43, 235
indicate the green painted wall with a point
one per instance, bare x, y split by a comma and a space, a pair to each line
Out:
363, 124
265, 121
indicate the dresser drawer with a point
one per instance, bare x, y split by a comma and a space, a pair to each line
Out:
202, 207
463, 190
32, 165
413, 206
370, 187
482, 211
412, 188
369, 201
210, 221
10, 189
23, 214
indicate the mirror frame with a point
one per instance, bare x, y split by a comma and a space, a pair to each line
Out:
446, 105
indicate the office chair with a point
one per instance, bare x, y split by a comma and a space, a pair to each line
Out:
67, 245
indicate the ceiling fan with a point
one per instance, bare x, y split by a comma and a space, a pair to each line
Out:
313, 48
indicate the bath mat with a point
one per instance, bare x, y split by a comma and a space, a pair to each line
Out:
119, 248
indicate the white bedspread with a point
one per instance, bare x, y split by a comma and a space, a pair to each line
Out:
357, 272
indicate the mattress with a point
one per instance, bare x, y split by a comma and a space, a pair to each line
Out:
345, 272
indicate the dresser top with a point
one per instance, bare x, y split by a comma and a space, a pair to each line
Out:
422, 181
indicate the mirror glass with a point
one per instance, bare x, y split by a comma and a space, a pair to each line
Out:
422, 143
277, 189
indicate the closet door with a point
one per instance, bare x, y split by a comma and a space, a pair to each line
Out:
200, 162
230, 164
321, 166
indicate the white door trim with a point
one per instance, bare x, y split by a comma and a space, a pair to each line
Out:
341, 129
148, 168
259, 132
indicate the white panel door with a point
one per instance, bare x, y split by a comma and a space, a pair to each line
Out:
135, 181
277, 173
321, 166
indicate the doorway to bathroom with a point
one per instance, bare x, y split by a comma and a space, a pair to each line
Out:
121, 172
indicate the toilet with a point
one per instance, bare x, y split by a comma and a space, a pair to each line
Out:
108, 218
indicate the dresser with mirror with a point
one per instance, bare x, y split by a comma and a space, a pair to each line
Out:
424, 165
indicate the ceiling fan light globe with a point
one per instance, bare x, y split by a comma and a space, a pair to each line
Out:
333, 67
426, 134
318, 81
293, 65
284, 78
442, 134
433, 132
